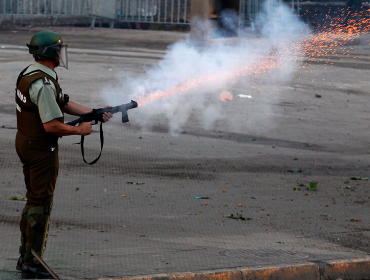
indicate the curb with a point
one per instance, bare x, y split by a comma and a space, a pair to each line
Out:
353, 269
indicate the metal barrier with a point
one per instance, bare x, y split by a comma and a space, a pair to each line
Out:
155, 11
249, 9
174, 11
54, 8
141, 11
103, 9
44, 7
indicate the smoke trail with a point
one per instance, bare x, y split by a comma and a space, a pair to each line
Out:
188, 81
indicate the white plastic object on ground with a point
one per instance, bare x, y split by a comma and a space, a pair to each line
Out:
244, 96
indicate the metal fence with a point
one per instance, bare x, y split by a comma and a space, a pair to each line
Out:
103, 8
174, 11
142, 11
44, 7
155, 11
249, 9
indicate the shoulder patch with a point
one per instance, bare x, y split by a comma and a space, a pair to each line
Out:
46, 80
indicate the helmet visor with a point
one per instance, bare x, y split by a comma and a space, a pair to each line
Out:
63, 57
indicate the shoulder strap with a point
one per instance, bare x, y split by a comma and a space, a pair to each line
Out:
36, 74
21, 75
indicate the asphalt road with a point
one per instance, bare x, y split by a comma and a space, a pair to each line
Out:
104, 227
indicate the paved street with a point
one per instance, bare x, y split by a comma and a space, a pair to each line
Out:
258, 163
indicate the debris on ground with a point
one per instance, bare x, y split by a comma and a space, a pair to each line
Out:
313, 186
327, 217
346, 187
237, 217
244, 96
361, 178
318, 95
18, 198
295, 170
201, 197
225, 95
136, 183
355, 220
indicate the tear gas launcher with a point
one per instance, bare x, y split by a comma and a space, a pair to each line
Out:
96, 115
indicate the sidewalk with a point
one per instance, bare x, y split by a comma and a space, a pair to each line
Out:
105, 228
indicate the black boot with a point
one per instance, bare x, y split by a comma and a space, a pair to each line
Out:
20, 263
35, 272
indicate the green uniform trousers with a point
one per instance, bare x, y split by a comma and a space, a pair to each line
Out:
39, 157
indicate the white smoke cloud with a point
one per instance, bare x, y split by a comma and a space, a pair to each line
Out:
219, 66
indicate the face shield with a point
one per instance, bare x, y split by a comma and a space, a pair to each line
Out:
63, 57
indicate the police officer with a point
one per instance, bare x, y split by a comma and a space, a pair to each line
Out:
40, 107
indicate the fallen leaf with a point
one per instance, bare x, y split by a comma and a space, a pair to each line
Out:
237, 217
313, 186
18, 198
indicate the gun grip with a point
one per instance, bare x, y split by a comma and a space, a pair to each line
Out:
124, 117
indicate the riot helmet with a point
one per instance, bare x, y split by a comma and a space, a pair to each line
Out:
48, 45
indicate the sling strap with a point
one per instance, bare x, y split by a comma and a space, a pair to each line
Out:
101, 146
